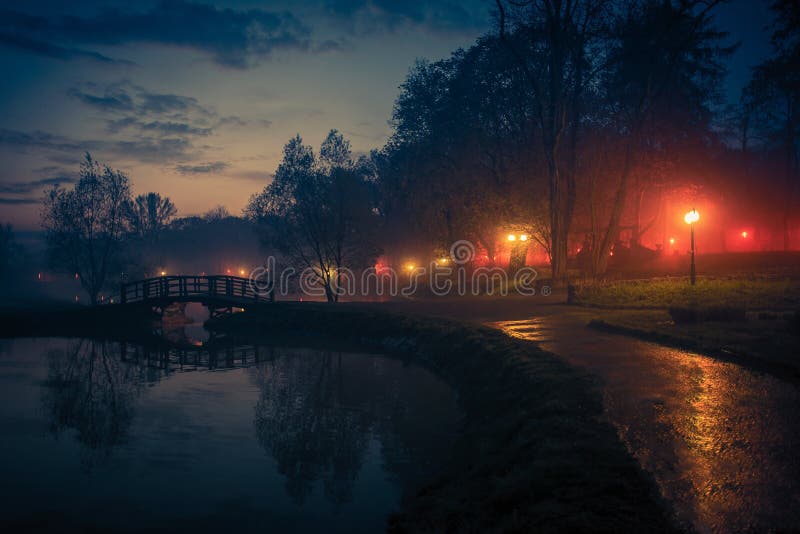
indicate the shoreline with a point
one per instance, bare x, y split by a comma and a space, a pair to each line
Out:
536, 451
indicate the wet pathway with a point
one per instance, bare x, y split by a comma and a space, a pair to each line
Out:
722, 442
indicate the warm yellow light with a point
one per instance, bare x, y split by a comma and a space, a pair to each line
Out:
442, 261
691, 217
163, 273
512, 237
744, 234
523, 237
671, 240
410, 266
241, 272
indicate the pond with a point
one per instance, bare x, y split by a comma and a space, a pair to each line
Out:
110, 435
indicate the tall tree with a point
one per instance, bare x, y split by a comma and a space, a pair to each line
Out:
319, 212
148, 215
665, 63
774, 95
85, 226
556, 45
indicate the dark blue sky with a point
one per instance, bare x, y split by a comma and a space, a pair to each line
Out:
195, 99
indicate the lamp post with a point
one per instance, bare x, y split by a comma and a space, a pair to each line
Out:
690, 218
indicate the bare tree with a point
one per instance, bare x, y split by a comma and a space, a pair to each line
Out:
85, 226
149, 214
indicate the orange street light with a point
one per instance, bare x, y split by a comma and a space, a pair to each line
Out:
512, 237
523, 237
692, 217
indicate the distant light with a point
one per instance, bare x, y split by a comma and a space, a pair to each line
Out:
76, 276
691, 217
163, 273
442, 261
512, 237
77, 298
671, 240
523, 237
241, 272
227, 271
744, 234
410, 266
611, 253
39, 276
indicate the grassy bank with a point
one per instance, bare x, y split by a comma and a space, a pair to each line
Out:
535, 452
751, 293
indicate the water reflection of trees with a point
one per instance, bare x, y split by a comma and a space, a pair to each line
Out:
89, 389
318, 413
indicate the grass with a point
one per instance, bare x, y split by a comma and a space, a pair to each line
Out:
535, 452
750, 293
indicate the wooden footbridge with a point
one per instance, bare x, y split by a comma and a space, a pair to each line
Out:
212, 291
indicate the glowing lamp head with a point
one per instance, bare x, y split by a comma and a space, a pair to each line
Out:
163, 273
671, 240
241, 272
410, 266
442, 261
691, 217
744, 234
523, 237
512, 237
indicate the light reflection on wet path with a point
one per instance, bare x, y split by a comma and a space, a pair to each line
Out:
722, 442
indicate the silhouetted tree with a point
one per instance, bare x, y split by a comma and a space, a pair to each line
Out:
89, 389
216, 213
318, 212
85, 226
773, 97
148, 215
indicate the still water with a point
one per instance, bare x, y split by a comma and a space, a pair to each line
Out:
105, 435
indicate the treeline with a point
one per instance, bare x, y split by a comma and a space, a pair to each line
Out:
567, 122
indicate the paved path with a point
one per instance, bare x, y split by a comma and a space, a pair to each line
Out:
722, 442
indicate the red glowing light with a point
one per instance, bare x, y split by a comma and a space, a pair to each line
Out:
744, 234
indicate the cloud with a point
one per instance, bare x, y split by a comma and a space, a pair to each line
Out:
21, 188
51, 50
255, 176
114, 99
144, 148
236, 38
18, 201
205, 168
124, 96
441, 16
37, 139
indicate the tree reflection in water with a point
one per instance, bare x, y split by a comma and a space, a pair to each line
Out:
89, 389
318, 413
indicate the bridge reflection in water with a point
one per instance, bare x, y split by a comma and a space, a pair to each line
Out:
206, 356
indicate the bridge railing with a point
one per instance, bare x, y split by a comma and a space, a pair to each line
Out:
165, 287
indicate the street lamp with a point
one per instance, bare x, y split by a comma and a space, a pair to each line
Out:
690, 218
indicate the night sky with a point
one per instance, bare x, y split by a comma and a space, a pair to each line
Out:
195, 100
